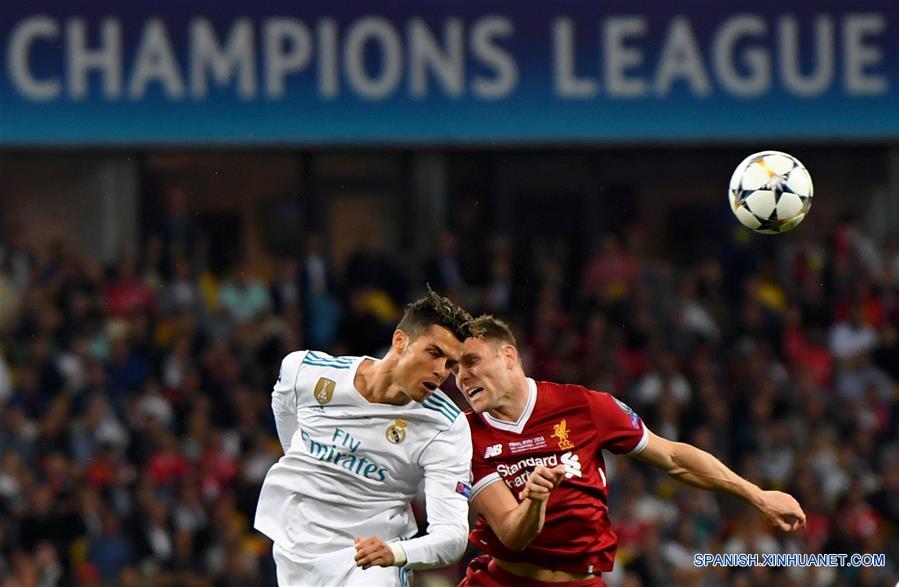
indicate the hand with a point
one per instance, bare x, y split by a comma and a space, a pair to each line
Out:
541, 482
373, 551
781, 510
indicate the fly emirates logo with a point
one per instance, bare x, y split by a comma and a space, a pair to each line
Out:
516, 475
343, 450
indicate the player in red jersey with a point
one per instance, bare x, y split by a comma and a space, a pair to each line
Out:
547, 522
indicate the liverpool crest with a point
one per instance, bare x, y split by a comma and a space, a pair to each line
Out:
561, 432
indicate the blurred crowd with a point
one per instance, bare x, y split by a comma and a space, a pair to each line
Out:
135, 424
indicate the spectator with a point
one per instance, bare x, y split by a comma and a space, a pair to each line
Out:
244, 298
611, 274
6, 386
17, 261
110, 551
121, 403
321, 311
182, 293
127, 293
663, 378
443, 271
181, 233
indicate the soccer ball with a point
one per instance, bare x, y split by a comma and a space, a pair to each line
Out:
770, 192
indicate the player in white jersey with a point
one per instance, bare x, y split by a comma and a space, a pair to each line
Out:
359, 435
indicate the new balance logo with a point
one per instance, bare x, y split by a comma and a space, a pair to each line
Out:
572, 464
493, 451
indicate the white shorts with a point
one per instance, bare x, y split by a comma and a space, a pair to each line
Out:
336, 569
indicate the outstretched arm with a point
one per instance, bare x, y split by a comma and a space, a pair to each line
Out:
695, 467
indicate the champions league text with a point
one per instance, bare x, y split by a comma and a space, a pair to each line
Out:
788, 560
746, 56
341, 450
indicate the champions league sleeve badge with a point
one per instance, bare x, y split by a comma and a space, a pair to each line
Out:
629, 411
463, 489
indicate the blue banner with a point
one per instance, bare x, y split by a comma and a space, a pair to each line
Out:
166, 72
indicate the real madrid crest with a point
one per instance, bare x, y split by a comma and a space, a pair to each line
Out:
396, 432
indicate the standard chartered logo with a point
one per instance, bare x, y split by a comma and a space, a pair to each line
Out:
343, 449
572, 464
516, 474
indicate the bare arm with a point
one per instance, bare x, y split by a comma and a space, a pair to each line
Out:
695, 467
515, 523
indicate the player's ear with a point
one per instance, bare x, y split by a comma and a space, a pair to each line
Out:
400, 341
510, 355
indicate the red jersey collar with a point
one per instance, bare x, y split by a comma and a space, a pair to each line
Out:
518, 425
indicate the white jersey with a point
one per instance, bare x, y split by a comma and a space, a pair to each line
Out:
351, 468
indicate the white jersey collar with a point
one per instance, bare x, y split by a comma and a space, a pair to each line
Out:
518, 425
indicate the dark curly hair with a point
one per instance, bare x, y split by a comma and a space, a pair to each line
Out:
434, 309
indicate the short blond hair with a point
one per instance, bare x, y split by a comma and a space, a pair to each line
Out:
492, 329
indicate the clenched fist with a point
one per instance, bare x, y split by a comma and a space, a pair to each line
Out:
781, 510
541, 482
372, 551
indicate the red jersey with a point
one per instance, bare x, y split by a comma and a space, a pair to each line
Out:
561, 425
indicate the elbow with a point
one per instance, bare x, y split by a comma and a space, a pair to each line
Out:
456, 542
457, 550
517, 541
443, 552
515, 545
682, 465
672, 465
677, 473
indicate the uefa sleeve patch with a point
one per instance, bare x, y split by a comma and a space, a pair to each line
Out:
635, 419
464, 489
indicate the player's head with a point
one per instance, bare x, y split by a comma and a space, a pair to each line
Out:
427, 343
490, 366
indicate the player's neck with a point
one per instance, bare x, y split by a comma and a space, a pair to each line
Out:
514, 402
373, 382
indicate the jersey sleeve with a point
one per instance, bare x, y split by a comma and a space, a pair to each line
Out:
284, 398
446, 462
483, 473
622, 431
